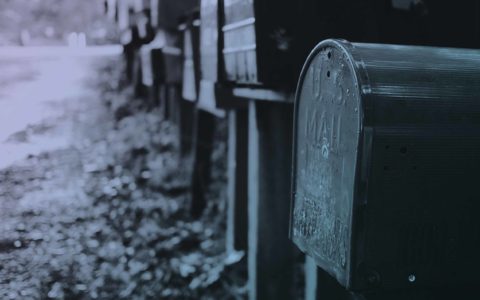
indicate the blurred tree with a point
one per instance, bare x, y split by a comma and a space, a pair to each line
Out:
50, 21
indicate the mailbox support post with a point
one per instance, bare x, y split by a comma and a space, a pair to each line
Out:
173, 99
204, 129
138, 88
236, 238
375, 143
187, 121
310, 279
270, 252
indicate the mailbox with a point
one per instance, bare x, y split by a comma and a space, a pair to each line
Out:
385, 167
209, 58
257, 36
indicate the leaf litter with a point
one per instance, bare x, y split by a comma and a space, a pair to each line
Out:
108, 218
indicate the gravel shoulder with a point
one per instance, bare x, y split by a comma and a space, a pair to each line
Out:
105, 214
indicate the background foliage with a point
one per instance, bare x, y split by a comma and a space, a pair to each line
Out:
50, 21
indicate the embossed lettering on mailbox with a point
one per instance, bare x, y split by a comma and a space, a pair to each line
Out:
326, 142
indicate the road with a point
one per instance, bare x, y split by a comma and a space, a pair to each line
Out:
51, 106
37, 87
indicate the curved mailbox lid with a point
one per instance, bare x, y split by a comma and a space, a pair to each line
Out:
209, 57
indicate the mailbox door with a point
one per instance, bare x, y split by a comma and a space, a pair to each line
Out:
327, 134
169, 12
404, 183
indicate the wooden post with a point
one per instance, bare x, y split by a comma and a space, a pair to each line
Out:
137, 75
310, 279
203, 144
162, 100
187, 120
173, 100
237, 217
270, 252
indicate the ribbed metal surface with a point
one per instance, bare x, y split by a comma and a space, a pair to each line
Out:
419, 85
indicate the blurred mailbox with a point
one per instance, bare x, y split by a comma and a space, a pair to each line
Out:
265, 41
257, 36
386, 160
166, 57
209, 58
168, 12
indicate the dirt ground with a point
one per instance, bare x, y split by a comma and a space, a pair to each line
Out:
93, 202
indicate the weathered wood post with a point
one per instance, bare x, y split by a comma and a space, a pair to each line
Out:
167, 61
237, 214
270, 255
201, 175
402, 22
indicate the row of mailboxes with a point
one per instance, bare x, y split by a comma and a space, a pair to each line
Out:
201, 62
386, 136
386, 157
385, 142
263, 43
266, 42
162, 13
167, 43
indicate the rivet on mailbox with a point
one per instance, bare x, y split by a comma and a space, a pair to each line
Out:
385, 167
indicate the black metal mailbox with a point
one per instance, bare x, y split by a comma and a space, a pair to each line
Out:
386, 160
167, 58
